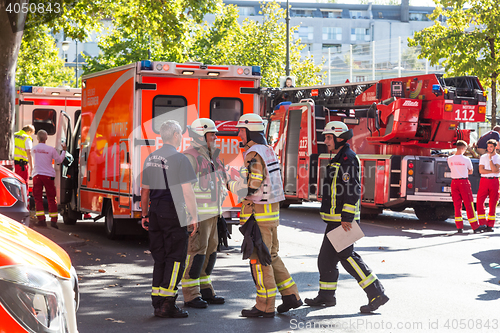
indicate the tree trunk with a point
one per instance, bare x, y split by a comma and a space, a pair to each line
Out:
494, 77
11, 33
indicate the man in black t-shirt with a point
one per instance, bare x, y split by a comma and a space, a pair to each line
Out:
166, 193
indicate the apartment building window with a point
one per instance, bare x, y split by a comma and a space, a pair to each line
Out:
360, 34
334, 48
331, 33
301, 12
418, 17
246, 11
325, 13
357, 14
304, 33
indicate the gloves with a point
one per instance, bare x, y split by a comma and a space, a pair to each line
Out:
222, 232
253, 239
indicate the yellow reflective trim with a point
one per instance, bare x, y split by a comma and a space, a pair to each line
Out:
368, 280
356, 268
205, 279
175, 273
327, 285
333, 187
331, 217
285, 284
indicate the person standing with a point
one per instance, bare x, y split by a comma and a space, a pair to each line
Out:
483, 140
166, 192
263, 190
461, 168
43, 176
210, 190
22, 151
340, 207
489, 168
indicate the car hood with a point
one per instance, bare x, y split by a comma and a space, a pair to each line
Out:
20, 245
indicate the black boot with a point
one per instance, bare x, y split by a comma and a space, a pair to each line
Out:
489, 229
196, 303
207, 296
254, 313
170, 310
374, 304
480, 229
322, 299
289, 302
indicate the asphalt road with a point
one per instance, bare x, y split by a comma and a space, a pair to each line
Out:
437, 281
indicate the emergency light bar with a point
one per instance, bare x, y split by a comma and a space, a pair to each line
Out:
199, 69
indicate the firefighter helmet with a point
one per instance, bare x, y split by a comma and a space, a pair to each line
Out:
338, 129
251, 121
202, 126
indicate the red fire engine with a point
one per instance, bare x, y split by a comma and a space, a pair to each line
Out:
122, 111
397, 125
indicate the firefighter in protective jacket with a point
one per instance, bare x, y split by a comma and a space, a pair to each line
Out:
262, 188
340, 207
210, 192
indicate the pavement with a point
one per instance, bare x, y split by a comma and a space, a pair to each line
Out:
64, 239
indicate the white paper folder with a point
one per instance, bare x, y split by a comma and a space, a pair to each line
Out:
341, 239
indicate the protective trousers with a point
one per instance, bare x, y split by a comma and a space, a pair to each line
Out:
462, 192
272, 278
39, 182
488, 187
22, 170
328, 260
200, 261
168, 245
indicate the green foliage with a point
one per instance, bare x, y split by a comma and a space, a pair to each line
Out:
138, 26
469, 42
259, 42
38, 62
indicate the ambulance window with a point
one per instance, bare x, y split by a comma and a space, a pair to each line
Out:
225, 112
45, 119
169, 108
274, 131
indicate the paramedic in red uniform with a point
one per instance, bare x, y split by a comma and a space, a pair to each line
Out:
43, 176
461, 168
489, 168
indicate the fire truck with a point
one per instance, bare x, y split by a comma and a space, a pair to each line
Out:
118, 127
399, 127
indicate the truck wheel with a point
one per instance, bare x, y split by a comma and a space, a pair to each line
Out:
434, 214
109, 223
68, 220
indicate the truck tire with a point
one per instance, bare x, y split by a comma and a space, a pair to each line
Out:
110, 223
429, 213
68, 220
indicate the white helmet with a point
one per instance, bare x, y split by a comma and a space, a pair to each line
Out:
253, 122
338, 129
202, 126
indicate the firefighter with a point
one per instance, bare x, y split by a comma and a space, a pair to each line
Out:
43, 176
262, 188
22, 151
489, 168
461, 168
340, 207
166, 193
210, 192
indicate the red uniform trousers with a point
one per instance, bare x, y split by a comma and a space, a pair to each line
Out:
24, 174
462, 192
487, 187
39, 182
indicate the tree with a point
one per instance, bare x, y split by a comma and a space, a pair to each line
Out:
254, 42
165, 19
468, 44
38, 62
139, 27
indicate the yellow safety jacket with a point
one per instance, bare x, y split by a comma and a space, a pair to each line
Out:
20, 146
